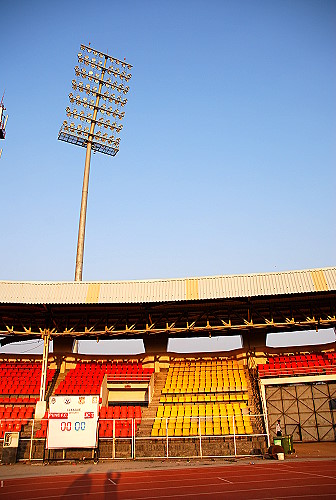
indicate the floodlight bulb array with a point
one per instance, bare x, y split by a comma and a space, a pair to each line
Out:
98, 95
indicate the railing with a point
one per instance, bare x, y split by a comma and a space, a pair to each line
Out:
204, 441
123, 439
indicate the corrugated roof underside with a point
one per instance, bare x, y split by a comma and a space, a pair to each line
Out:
173, 290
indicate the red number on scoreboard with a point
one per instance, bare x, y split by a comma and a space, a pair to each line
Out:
65, 426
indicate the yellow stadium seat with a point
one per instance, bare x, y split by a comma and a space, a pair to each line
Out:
194, 411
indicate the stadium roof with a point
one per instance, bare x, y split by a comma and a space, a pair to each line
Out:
169, 290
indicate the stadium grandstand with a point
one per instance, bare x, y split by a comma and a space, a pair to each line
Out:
162, 404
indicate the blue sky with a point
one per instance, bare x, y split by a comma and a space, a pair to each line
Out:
227, 156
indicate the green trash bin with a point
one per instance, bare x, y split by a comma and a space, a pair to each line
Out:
287, 444
277, 441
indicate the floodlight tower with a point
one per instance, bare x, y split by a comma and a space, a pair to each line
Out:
3, 121
106, 81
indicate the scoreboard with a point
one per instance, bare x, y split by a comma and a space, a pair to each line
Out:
72, 422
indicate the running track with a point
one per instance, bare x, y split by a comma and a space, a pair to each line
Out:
263, 480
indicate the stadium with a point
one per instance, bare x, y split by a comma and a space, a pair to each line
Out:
196, 355
161, 404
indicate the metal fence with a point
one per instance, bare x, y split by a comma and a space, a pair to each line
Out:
124, 438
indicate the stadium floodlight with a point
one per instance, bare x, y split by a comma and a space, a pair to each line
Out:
98, 92
3, 121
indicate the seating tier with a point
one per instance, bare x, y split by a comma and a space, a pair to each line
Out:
298, 364
207, 396
123, 417
22, 378
87, 377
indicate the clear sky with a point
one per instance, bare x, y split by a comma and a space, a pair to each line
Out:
227, 156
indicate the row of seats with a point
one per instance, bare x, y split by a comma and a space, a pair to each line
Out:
123, 429
9, 426
87, 377
214, 370
19, 388
301, 358
201, 398
119, 417
15, 367
205, 363
215, 376
11, 411
95, 369
81, 389
111, 365
116, 412
18, 399
299, 364
209, 419
201, 410
22, 378
13, 418
332, 357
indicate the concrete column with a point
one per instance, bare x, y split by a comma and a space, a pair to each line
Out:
156, 343
63, 344
254, 340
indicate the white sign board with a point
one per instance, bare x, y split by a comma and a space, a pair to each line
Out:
72, 422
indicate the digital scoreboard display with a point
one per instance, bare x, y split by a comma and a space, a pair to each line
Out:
73, 422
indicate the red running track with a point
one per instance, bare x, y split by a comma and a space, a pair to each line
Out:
263, 480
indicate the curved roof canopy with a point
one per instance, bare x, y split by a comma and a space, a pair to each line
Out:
169, 290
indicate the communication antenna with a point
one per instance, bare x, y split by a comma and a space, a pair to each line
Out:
3, 120
97, 101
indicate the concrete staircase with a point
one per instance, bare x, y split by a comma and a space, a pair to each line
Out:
56, 383
255, 406
148, 414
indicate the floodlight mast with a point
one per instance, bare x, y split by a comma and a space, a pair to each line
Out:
82, 217
87, 137
3, 121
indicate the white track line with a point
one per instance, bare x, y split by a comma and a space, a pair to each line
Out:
226, 480
200, 494
161, 484
308, 495
292, 469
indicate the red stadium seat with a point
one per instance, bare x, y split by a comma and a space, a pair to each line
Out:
298, 364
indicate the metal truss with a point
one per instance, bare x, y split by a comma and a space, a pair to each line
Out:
179, 319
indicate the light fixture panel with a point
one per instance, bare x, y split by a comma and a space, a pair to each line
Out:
92, 107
